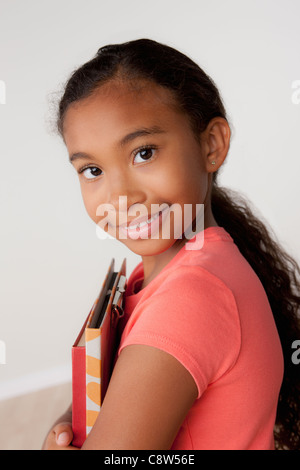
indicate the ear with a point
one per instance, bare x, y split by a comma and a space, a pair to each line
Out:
215, 140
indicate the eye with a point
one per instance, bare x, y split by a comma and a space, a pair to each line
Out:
90, 172
143, 154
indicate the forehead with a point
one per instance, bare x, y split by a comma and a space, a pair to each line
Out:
117, 106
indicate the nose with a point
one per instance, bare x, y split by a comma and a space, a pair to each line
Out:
123, 191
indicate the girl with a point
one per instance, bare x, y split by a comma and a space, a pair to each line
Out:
205, 352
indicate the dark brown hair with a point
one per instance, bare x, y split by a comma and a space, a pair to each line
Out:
197, 95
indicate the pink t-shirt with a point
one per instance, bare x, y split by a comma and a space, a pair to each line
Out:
208, 309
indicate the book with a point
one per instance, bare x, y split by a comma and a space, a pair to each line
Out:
93, 353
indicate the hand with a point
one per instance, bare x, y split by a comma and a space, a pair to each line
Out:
60, 436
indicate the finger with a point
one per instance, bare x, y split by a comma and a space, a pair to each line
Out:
63, 434
63, 439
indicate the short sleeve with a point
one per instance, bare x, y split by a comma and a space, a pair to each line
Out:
193, 316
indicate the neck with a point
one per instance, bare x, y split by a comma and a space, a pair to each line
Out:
153, 265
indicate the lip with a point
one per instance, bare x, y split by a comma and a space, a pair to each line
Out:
149, 227
136, 221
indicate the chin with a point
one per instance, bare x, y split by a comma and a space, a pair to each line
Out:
148, 247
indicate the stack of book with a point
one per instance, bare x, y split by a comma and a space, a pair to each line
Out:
93, 353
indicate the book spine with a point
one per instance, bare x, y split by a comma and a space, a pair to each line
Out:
78, 396
93, 374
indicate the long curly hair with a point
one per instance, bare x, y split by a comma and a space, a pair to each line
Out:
197, 95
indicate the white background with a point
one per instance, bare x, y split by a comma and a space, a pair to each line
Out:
52, 263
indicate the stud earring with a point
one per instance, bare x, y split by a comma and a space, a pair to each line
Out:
213, 162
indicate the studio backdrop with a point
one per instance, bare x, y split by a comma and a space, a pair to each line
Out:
52, 261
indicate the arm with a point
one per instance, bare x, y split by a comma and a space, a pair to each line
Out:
149, 395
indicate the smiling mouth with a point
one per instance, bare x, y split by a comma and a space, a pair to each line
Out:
143, 228
132, 226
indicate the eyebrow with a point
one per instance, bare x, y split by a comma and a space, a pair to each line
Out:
125, 140
140, 133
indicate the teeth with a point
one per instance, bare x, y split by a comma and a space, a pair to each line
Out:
153, 218
142, 224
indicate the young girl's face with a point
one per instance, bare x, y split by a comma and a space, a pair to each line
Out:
135, 155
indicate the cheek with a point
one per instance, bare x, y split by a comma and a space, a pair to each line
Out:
91, 210
168, 182
182, 186
90, 204
183, 174
101, 213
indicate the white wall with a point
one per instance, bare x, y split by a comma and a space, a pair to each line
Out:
51, 260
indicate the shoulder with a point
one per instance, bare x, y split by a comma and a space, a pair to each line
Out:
193, 286
192, 315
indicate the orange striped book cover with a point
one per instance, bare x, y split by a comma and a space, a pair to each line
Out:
93, 353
